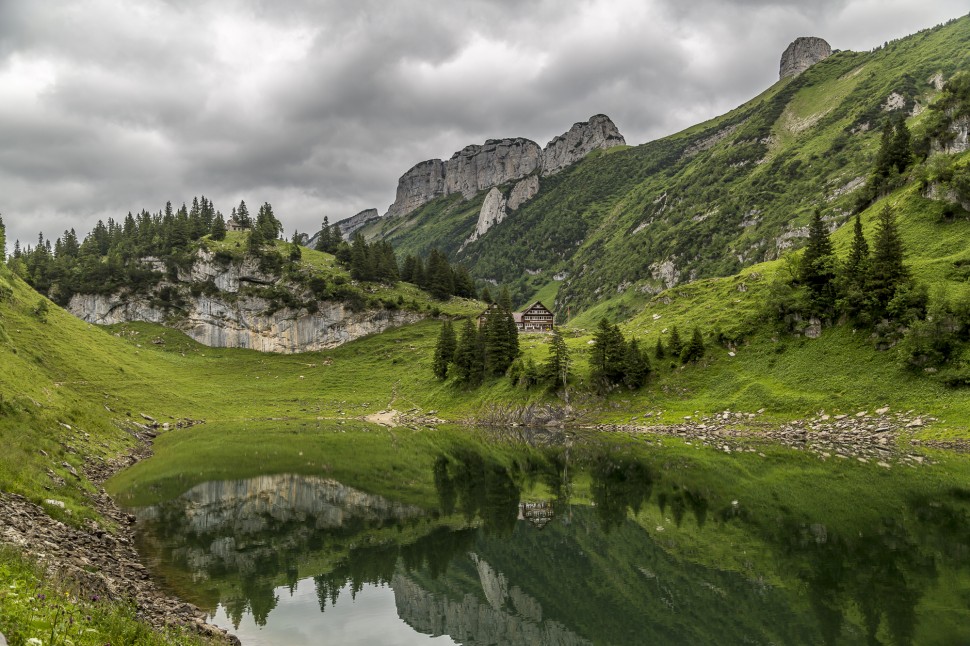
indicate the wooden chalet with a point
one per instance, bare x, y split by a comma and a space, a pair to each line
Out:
535, 318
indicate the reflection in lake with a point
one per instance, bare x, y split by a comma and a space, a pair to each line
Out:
592, 543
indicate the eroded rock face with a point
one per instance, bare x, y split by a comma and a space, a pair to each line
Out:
802, 54
493, 211
477, 168
580, 140
350, 226
469, 171
235, 317
499, 161
523, 192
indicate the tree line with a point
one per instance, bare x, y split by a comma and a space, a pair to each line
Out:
491, 349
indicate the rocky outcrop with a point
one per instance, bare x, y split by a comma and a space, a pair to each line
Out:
522, 192
350, 226
497, 207
494, 210
580, 140
237, 313
802, 54
478, 168
957, 140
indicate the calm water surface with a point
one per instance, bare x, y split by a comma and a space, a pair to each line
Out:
577, 541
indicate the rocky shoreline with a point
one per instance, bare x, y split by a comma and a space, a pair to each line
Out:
880, 437
97, 561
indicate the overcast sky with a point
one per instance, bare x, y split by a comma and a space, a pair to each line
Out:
318, 106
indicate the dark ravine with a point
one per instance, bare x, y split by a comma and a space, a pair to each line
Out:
98, 561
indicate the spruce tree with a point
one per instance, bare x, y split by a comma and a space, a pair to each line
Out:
444, 351
816, 268
324, 241
659, 352
675, 345
557, 364
469, 364
887, 273
609, 354
242, 215
439, 278
408, 268
218, 231
636, 367
3, 242
855, 273
694, 350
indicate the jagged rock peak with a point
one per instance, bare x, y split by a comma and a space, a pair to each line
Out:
802, 54
580, 140
478, 168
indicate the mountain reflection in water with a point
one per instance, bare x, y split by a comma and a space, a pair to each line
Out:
587, 545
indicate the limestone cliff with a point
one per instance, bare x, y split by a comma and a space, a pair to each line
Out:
497, 207
579, 141
235, 312
349, 226
479, 168
801, 54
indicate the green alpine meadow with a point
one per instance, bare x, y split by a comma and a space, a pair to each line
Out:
709, 389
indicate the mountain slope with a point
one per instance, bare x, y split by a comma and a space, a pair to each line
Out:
705, 202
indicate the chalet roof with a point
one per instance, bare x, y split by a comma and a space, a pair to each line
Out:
538, 304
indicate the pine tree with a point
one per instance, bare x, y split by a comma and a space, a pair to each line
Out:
816, 268
675, 345
255, 242
444, 351
557, 364
887, 273
469, 364
694, 350
486, 295
636, 367
408, 268
242, 215
266, 222
855, 273
3, 242
609, 354
325, 242
659, 352
295, 253
439, 278
901, 146
218, 231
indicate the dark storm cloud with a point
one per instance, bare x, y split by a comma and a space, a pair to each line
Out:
318, 107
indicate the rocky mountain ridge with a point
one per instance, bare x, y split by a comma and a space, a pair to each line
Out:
478, 168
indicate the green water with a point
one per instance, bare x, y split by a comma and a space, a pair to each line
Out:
545, 537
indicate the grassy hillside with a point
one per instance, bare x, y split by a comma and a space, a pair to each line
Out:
717, 197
